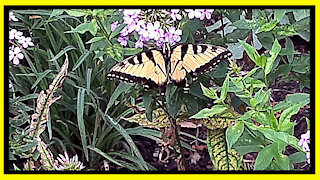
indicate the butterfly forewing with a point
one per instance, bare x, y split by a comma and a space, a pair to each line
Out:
147, 68
195, 59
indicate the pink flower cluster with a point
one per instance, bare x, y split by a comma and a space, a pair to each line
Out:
304, 143
156, 31
199, 13
15, 53
147, 31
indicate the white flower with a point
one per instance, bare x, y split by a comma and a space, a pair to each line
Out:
65, 163
193, 13
304, 142
12, 17
25, 41
15, 55
14, 34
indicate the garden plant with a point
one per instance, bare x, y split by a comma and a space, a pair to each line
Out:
249, 113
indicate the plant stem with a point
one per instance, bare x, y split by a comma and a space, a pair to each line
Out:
180, 150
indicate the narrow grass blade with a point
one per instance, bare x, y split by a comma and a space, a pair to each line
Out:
80, 109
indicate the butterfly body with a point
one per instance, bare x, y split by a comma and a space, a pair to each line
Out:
154, 68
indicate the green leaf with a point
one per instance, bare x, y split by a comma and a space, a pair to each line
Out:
279, 13
251, 51
275, 135
273, 121
82, 58
92, 27
245, 24
224, 90
82, 129
56, 12
233, 133
105, 155
249, 142
282, 161
291, 100
284, 121
77, 12
209, 92
254, 70
276, 48
117, 31
131, 51
300, 14
126, 136
123, 87
267, 26
298, 157
264, 158
207, 113
44, 74
246, 115
261, 61
308, 123
147, 100
284, 30
95, 39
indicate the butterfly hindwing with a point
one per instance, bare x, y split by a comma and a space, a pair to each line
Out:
147, 68
194, 60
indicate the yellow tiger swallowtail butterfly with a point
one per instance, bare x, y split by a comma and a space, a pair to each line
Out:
154, 69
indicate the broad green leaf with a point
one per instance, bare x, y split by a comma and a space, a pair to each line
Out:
284, 121
123, 87
147, 100
261, 117
279, 13
267, 26
291, 100
284, 30
56, 12
300, 14
253, 102
116, 31
254, 70
245, 24
308, 123
282, 161
77, 12
209, 92
82, 129
251, 51
233, 133
131, 51
92, 27
273, 121
95, 39
224, 90
249, 142
264, 158
246, 115
275, 135
276, 48
298, 157
207, 113
261, 61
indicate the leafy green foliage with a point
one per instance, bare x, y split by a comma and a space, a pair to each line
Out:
89, 120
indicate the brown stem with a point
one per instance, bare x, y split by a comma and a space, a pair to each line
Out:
180, 152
